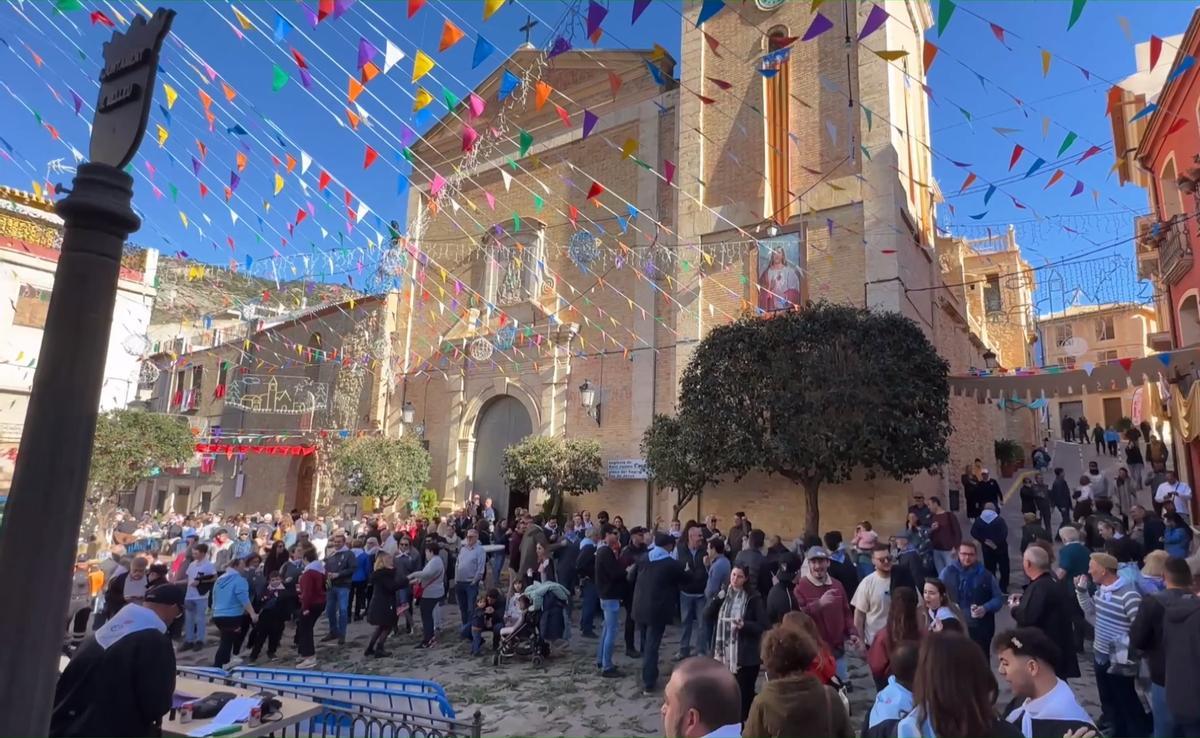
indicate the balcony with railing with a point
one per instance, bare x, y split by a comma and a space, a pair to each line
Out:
1175, 256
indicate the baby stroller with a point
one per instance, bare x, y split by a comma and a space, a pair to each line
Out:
543, 623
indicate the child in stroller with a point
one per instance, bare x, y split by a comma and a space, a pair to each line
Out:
536, 621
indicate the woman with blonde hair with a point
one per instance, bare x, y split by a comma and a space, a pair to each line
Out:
793, 702
382, 611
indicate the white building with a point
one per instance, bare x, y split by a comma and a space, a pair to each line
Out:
30, 242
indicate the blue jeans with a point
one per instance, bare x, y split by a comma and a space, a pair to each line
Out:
608, 638
689, 613
650, 646
1164, 723
193, 620
843, 673
589, 605
465, 593
497, 563
942, 559
337, 609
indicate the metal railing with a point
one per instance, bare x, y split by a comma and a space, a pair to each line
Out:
1175, 252
341, 718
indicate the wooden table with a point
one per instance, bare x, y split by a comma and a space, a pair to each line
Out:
293, 710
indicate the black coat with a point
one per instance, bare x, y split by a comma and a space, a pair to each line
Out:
846, 573
381, 611
585, 564
656, 593
1044, 606
610, 575
124, 690
754, 624
780, 602
1153, 530
1060, 493
695, 576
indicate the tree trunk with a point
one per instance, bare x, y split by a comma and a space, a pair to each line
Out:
681, 501
812, 513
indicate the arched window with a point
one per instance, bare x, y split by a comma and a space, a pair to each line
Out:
1189, 321
1172, 198
776, 91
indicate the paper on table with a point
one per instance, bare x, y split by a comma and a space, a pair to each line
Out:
235, 710
179, 699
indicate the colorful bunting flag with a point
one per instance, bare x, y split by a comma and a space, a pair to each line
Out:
668, 170
708, 9
163, 135
354, 88
451, 34
102, 19
874, 20
1156, 45
998, 32
596, 190
1046, 56
1144, 112
450, 99
541, 93
946, 9
421, 99
171, 94
483, 49
1092, 151
820, 24
525, 139
324, 180
278, 183
369, 157
1036, 166
475, 105
629, 148
366, 52
469, 137
589, 122
930, 54
243, 20
991, 190
508, 83
1066, 144
414, 6
1076, 11
563, 115
279, 78
894, 55
282, 28
391, 56
1016, 156
1058, 174
1185, 64
595, 16
1078, 188
490, 7
967, 182
713, 43
437, 184
422, 65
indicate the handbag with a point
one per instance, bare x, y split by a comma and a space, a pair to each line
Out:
842, 692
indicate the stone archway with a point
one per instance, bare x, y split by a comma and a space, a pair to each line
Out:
503, 421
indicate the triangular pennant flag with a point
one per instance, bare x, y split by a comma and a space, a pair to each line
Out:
491, 199
1046, 56
391, 56
541, 92
324, 180
656, 73
475, 105
708, 9
469, 137
1156, 45
614, 83
820, 24
1089, 367
930, 53
282, 28
354, 88
1058, 174
1184, 64
305, 162
1076, 10
1092, 151
563, 115
893, 55
1016, 156
668, 170
366, 52
1126, 363
369, 157
639, 7
243, 20
589, 122
596, 190
629, 148
991, 190
525, 139
422, 65
171, 94
421, 99
713, 44
1036, 166
720, 83
1144, 112
1066, 144
291, 163
1165, 358
490, 7
595, 16
946, 9
874, 20
508, 83
483, 49
163, 135
507, 179
967, 182
279, 78
450, 99
278, 183
230, 94
414, 6
1078, 188
451, 34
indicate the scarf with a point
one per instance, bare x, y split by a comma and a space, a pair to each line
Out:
1058, 704
131, 619
725, 647
988, 516
824, 582
317, 566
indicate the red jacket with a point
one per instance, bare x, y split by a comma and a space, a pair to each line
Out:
834, 621
312, 590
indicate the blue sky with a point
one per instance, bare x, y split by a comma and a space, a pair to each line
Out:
968, 51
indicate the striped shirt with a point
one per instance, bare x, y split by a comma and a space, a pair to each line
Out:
1113, 609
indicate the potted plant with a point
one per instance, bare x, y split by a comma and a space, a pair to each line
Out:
1009, 455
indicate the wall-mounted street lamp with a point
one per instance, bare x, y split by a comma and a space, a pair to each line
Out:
989, 360
407, 413
587, 398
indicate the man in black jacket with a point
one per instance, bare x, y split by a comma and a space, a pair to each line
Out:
122, 678
690, 553
1146, 528
631, 555
339, 570
655, 593
1060, 496
1043, 704
780, 600
610, 588
1146, 634
1044, 605
840, 567
585, 574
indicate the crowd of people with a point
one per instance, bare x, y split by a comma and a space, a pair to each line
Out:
919, 606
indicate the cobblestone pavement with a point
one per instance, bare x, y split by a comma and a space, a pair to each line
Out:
566, 697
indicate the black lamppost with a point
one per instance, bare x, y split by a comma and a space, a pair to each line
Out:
39, 535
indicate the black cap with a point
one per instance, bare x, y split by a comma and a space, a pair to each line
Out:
167, 594
664, 540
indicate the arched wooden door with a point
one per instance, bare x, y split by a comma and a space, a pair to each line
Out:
305, 481
503, 422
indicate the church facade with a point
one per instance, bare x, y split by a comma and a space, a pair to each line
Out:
620, 205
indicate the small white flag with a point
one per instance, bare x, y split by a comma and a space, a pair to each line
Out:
391, 56
507, 179
305, 162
